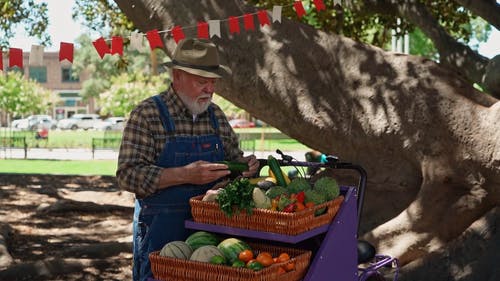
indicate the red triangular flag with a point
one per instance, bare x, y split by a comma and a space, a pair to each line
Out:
15, 57
154, 39
299, 9
248, 22
203, 30
178, 34
117, 45
1, 60
263, 18
66, 51
101, 47
234, 26
320, 5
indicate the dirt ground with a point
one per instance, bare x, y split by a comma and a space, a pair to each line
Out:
65, 228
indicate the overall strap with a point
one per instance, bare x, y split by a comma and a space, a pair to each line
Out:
213, 118
167, 122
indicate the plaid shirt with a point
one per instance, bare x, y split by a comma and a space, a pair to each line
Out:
144, 139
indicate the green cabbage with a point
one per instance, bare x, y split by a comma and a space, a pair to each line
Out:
328, 187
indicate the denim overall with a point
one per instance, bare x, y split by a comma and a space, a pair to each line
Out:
159, 218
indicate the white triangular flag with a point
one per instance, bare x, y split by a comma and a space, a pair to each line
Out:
137, 41
277, 13
36, 55
337, 2
214, 26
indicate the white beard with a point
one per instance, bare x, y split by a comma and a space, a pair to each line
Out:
195, 106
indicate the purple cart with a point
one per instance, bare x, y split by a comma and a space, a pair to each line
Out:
337, 256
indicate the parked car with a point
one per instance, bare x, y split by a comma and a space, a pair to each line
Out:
79, 121
34, 122
110, 124
241, 123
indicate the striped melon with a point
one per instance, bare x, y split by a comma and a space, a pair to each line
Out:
177, 249
201, 238
231, 248
206, 253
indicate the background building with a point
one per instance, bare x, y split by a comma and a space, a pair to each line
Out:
57, 77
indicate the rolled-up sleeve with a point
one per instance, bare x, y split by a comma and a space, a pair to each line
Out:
137, 171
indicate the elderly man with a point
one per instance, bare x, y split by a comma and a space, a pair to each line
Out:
170, 148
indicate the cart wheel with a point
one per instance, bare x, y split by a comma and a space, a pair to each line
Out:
376, 277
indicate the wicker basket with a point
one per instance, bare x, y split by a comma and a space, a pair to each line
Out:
266, 220
172, 269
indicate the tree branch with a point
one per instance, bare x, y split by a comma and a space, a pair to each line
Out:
489, 10
453, 54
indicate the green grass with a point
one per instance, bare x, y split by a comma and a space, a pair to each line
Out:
58, 139
83, 139
58, 167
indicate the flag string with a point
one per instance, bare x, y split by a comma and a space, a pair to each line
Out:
207, 29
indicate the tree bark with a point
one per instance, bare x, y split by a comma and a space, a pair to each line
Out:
452, 54
428, 139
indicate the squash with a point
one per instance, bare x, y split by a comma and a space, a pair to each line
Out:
177, 249
275, 170
206, 253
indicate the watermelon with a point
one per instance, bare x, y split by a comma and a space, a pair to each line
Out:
201, 238
231, 248
206, 253
177, 249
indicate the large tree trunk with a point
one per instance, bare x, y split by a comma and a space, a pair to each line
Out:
429, 140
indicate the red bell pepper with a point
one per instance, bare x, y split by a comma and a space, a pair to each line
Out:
301, 196
290, 208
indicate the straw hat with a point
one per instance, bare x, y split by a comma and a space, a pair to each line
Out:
199, 57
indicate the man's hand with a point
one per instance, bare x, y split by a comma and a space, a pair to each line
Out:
253, 165
199, 172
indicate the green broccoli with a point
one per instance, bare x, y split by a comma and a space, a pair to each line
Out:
317, 198
327, 186
297, 185
314, 196
276, 191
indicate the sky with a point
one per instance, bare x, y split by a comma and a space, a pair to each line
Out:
62, 28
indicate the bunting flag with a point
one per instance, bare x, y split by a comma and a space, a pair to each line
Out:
263, 18
277, 13
15, 57
101, 47
234, 25
154, 39
36, 55
137, 42
1, 60
117, 45
299, 9
337, 2
203, 30
66, 51
214, 26
178, 34
320, 5
248, 22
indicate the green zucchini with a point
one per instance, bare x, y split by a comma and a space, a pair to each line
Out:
276, 169
235, 166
